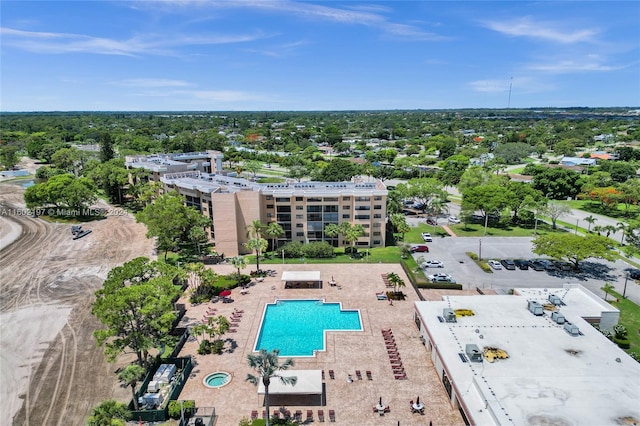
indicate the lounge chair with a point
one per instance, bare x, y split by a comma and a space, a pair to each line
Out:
309, 415
264, 414
276, 414
321, 416
358, 374
369, 376
287, 414
322, 374
232, 330
332, 375
298, 416
254, 414
387, 409
332, 416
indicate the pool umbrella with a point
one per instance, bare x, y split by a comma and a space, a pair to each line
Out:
418, 400
225, 293
380, 402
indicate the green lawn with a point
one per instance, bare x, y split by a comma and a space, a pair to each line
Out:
477, 230
270, 180
617, 212
415, 235
376, 255
629, 317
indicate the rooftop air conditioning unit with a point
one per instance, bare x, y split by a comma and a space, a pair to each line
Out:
573, 330
473, 352
535, 308
449, 315
555, 300
557, 317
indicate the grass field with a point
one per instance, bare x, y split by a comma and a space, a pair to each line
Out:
477, 230
375, 255
629, 317
617, 212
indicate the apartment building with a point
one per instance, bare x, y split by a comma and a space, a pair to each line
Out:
160, 164
303, 209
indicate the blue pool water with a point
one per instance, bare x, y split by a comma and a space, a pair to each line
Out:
297, 327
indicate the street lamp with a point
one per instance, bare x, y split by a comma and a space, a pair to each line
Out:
624, 290
480, 249
283, 256
577, 226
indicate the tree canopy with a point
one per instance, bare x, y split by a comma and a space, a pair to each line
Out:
573, 248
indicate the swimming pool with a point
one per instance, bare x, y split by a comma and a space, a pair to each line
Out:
297, 327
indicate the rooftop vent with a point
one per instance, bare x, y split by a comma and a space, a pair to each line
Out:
557, 317
535, 308
449, 315
573, 330
555, 300
473, 352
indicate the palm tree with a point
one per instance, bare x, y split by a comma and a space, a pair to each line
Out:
130, 377
109, 413
254, 229
275, 231
353, 233
259, 245
590, 220
607, 288
621, 226
609, 229
268, 367
239, 263
396, 281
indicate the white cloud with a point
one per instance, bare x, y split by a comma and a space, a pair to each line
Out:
515, 84
279, 51
551, 31
57, 43
589, 63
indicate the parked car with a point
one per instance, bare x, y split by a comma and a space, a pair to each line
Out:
441, 278
521, 264
536, 265
427, 237
508, 264
432, 263
419, 249
634, 274
494, 264
562, 266
453, 219
432, 222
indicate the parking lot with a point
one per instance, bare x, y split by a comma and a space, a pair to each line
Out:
452, 252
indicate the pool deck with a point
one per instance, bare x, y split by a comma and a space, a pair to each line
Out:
346, 352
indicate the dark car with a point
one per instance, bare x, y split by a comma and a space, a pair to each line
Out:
536, 265
508, 264
521, 264
562, 266
419, 249
431, 222
634, 274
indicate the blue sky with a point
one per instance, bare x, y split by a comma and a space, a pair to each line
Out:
178, 55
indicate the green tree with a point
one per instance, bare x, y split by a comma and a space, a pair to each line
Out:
274, 230
259, 245
239, 262
573, 248
353, 233
399, 222
523, 196
136, 307
555, 211
9, 156
67, 159
107, 151
590, 220
63, 190
453, 168
338, 170
608, 288
198, 236
630, 194
487, 198
396, 281
253, 167
255, 229
170, 221
267, 365
216, 326
109, 413
111, 176
472, 177
130, 376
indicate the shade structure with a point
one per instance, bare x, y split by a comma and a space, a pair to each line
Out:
309, 382
302, 279
225, 293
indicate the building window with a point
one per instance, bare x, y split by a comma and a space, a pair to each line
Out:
299, 216
269, 215
314, 217
363, 198
330, 199
346, 198
363, 208
299, 198
284, 217
365, 226
377, 207
377, 225
331, 209
362, 216
269, 197
283, 200
376, 242
377, 198
269, 206
284, 209
299, 234
377, 234
314, 200
377, 216
299, 207
346, 207
314, 209
346, 216
299, 225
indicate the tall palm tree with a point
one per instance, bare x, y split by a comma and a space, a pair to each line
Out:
275, 231
130, 377
396, 281
607, 288
109, 413
621, 226
258, 245
590, 220
239, 263
254, 229
268, 367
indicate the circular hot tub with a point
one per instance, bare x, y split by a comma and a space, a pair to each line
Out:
217, 379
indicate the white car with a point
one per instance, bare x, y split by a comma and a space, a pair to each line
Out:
453, 219
427, 237
432, 263
494, 264
440, 277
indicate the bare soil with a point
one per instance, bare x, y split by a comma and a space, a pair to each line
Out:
51, 371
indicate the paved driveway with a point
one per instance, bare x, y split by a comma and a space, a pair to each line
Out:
452, 251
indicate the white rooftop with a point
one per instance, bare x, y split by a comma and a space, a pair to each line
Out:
308, 382
301, 276
550, 376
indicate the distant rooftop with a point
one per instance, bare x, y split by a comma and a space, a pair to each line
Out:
550, 377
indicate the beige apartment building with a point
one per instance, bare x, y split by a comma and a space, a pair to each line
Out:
303, 209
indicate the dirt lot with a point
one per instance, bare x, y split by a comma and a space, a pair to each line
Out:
50, 369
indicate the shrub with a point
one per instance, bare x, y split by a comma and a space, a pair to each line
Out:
175, 408
472, 256
623, 343
204, 348
318, 250
348, 250
217, 346
292, 249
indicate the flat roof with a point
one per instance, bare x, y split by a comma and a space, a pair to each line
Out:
301, 276
550, 376
308, 382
